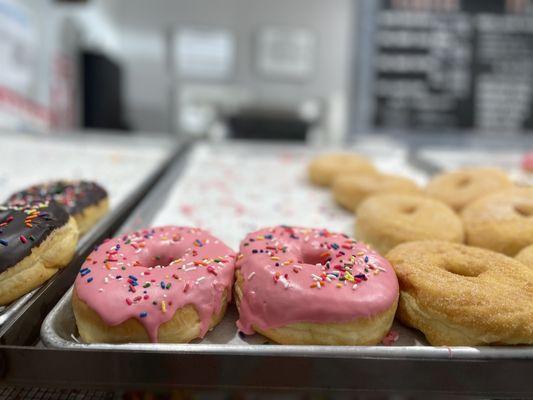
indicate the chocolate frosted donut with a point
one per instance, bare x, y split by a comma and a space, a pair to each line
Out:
35, 240
86, 201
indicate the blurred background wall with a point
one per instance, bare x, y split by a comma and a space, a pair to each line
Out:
294, 69
140, 26
135, 35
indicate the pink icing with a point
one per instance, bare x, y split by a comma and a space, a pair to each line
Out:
148, 275
527, 162
310, 275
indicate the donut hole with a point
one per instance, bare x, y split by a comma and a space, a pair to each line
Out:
525, 210
463, 181
409, 209
312, 257
161, 259
462, 271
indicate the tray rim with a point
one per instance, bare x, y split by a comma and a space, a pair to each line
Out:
52, 339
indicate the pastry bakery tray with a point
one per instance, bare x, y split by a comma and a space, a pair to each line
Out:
115, 162
233, 188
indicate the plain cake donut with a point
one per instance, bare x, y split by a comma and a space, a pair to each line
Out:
350, 190
167, 284
459, 295
502, 221
323, 169
311, 286
461, 187
386, 220
526, 256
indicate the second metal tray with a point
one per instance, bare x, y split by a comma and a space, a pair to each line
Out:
16, 330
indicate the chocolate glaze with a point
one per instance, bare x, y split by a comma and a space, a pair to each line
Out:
20, 232
75, 196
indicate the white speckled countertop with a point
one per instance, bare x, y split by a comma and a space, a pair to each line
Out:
234, 188
118, 163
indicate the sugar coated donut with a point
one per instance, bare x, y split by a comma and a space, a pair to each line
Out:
463, 296
501, 221
168, 284
86, 201
310, 286
461, 187
350, 190
35, 241
323, 169
386, 220
526, 256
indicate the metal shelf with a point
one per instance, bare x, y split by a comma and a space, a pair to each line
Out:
151, 370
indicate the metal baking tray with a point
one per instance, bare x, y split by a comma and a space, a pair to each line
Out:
160, 207
226, 359
59, 331
47, 294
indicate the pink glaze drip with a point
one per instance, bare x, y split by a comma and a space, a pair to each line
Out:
282, 278
148, 275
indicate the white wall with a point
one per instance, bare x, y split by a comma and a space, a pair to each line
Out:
60, 31
140, 25
131, 31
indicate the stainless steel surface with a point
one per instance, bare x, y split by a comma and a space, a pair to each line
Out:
8, 311
494, 378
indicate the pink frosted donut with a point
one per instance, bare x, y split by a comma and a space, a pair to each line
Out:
168, 284
527, 162
310, 286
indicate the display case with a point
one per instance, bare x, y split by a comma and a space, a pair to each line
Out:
231, 188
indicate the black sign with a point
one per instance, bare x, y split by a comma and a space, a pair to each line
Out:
454, 64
